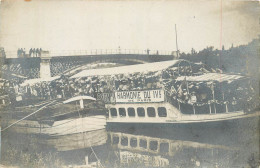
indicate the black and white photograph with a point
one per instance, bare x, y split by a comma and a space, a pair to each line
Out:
129, 84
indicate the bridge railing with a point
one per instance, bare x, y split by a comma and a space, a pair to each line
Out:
56, 53
110, 51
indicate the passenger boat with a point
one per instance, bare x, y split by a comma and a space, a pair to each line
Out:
187, 93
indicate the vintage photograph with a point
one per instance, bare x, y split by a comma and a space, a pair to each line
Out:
129, 84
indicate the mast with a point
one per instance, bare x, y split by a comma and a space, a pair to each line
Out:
176, 41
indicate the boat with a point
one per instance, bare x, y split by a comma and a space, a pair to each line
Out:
62, 118
58, 128
77, 141
177, 91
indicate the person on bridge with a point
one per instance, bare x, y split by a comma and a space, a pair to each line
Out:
24, 52
40, 52
30, 52
37, 52
148, 51
18, 52
33, 52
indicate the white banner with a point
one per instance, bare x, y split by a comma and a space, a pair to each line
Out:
106, 97
139, 96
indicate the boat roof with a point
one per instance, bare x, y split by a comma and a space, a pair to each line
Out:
38, 80
130, 69
79, 98
220, 77
3, 96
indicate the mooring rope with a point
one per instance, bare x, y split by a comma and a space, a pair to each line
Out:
96, 156
28, 116
83, 133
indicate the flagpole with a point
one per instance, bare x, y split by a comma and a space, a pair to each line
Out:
176, 41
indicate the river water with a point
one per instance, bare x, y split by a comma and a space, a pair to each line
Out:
223, 144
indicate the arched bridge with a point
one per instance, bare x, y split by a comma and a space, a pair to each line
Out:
32, 66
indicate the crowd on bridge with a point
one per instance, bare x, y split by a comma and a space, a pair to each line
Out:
33, 52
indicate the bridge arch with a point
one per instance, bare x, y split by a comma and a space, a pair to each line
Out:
78, 65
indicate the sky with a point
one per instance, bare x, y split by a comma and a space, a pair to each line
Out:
59, 25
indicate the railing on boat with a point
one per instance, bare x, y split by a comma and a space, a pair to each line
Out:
211, 107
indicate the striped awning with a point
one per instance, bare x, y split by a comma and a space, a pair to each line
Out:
129, 69
211, 77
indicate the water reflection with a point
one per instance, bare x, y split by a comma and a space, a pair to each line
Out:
142, 147
162, 152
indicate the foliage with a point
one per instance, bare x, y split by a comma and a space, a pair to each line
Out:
243, 59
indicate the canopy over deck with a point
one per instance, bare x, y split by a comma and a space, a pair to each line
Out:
77, 98
38, 80
130, 69
211, 77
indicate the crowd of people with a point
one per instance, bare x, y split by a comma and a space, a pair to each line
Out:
185, 92
66, 87
33, 52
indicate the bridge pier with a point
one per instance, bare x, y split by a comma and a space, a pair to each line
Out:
45, 65
2, 59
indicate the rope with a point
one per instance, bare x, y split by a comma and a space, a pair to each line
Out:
84, 140
28, 116
96, 156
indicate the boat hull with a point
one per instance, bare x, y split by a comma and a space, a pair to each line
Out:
63, 127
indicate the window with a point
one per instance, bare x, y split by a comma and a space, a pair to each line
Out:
122, 112
115, 139
151, 112
140, 112
153, 145
133, 142
164, 147
131, 112
143, 143
162, 112
113, 112
124, 141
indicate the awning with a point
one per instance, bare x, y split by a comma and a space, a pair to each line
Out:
3, 96
38, 80
130, 69
77, 98
211, 77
